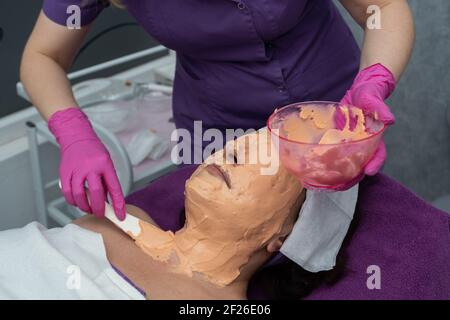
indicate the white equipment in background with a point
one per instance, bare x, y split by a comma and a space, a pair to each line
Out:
126, 110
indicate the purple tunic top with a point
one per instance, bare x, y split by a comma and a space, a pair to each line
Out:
237, 60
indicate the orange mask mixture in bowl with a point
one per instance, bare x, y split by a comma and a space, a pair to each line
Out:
324, 144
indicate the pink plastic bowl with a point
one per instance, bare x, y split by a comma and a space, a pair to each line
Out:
324, 166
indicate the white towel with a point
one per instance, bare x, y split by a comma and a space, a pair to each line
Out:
146, 144
60, 263
322, 225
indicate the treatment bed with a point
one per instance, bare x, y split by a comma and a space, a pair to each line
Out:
400, 236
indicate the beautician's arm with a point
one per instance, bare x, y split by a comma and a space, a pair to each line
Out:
392, 44
47, 57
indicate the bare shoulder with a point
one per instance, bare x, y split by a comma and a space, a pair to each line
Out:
120, 248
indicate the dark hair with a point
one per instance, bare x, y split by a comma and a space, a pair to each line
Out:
289, 281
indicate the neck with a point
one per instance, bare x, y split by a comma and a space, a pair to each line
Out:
210, 262
218, 262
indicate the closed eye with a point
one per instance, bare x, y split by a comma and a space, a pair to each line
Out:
235, 157
232, 158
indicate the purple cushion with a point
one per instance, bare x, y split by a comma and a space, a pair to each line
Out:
408, 239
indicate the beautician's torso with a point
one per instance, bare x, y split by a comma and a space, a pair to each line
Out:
239, 60
149, 275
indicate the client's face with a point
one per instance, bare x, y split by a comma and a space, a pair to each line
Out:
234, 202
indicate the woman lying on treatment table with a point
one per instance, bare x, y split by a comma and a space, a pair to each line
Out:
236, 219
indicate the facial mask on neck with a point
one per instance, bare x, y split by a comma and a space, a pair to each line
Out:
322, 225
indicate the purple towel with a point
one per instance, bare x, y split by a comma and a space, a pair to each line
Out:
408, 239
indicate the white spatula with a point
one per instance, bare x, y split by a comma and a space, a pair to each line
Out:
130, 225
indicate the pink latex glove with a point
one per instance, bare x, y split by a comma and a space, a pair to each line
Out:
370, 88
85, 158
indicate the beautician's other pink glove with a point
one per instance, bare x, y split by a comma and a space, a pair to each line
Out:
85, 158
370, 88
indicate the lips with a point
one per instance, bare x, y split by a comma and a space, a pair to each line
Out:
217, 171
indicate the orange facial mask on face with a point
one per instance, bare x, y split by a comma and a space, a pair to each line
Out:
231, 211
